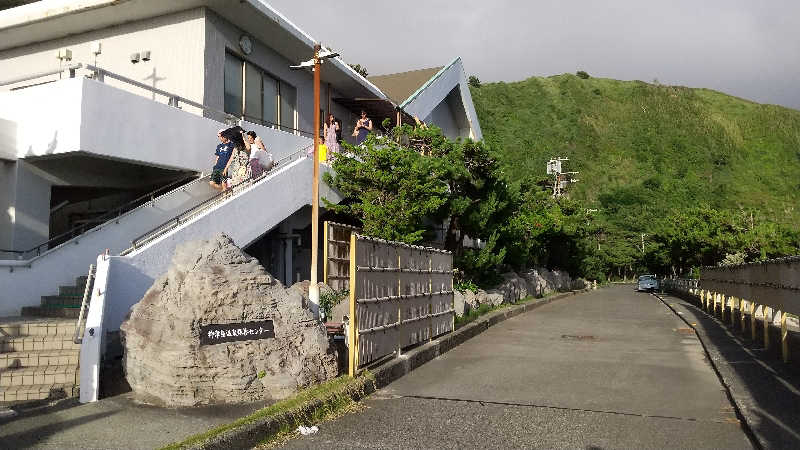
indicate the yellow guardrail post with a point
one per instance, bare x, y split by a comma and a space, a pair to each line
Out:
753, 306
741, 314
784, 338
724, 304
353, 328
766, 326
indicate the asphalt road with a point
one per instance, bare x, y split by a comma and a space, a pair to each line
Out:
608, 369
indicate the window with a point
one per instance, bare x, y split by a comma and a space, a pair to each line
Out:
258, 97
233, 85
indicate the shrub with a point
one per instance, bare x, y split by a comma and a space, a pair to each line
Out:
582, 74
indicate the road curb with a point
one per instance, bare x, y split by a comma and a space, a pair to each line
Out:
737, 406
251, 434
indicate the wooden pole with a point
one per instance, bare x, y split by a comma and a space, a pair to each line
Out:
352, 337
313, 288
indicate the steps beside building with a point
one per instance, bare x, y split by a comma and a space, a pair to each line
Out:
38, 358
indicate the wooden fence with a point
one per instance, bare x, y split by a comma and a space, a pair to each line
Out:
401, 295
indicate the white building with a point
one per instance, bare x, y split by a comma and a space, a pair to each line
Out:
109, 108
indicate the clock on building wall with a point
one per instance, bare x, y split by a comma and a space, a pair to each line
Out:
246, 44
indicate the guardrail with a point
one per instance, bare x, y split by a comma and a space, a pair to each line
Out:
87, 294
186, 216
400, 295
767, 289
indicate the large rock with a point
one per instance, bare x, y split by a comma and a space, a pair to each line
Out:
214, 282
492, 298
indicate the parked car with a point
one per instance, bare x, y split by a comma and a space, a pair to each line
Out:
647, 283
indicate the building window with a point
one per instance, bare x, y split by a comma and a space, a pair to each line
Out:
233, 85
258, 97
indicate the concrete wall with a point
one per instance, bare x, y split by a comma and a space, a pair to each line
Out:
239, 218
175, 42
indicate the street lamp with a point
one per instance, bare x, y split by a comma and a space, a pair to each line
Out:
314, 63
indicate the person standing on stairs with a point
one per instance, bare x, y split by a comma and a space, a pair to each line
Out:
331, 141
222, 162
260, 159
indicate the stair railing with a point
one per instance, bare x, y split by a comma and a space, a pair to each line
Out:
113, 215
204, 206
76, 338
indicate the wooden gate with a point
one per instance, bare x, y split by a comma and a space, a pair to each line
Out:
400, 295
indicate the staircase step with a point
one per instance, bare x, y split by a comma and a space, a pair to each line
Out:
36, 326
30, 376
16, 394
39, 311
32, 343
34, 358
62, 301
72, 290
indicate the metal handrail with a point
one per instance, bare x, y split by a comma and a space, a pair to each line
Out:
175, 100
86, 295
104, 219
171, 224
70, 67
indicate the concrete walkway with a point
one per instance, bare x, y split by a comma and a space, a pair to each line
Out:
608, 369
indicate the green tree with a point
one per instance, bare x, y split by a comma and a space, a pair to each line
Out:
474, 81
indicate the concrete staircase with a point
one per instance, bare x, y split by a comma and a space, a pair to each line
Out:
38, 359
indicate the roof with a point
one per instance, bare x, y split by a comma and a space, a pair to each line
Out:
45, 20
400, 86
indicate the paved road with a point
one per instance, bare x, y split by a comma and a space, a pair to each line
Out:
608, 369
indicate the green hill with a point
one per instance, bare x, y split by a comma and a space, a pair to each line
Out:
646, 152
667, 146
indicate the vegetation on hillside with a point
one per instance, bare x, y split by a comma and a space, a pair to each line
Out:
691, 173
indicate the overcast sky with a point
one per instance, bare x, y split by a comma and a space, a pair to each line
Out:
747, 48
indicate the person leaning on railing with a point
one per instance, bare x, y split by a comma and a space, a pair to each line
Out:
221, 163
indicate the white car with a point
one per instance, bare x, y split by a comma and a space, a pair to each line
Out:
647, 283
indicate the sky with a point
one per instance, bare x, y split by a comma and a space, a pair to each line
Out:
749, 49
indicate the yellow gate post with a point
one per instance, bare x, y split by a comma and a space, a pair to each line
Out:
352, 338
784, 338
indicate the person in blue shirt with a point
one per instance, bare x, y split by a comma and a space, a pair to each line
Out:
221, 163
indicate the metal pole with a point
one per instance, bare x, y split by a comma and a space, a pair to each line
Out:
313, 289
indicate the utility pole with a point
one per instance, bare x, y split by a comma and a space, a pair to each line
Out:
313, 288
561, 179
643, 235
315, 62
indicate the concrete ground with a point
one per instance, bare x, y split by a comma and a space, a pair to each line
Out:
766, 390
112, 423
607, 369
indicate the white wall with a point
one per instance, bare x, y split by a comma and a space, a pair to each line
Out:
175, 41
426, 102
240, 218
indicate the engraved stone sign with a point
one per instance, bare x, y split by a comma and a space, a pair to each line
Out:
233, 332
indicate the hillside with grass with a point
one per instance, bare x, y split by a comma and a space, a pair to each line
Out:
648, 145
648, 151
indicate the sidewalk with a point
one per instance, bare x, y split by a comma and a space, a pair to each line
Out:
112, 423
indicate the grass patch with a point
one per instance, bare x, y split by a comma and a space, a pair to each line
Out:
486, 309
331, 397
